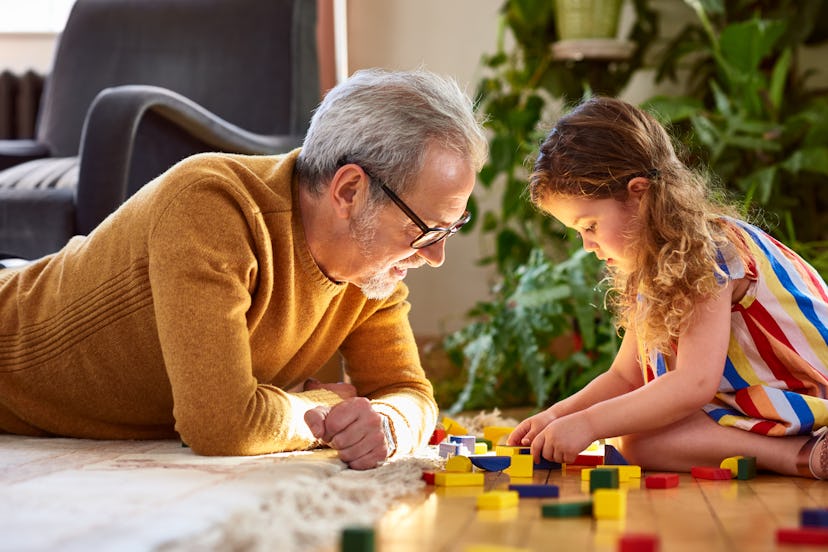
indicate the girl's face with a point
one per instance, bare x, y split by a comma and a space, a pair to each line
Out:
606, 226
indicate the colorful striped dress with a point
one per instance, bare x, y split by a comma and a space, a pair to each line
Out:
775, 379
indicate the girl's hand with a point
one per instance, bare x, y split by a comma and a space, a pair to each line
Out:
563, 439
528, 429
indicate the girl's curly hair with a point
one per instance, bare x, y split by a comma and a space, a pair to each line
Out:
594, 151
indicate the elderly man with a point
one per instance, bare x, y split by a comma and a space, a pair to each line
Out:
201, 306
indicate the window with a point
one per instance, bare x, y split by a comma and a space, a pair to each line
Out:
34, 16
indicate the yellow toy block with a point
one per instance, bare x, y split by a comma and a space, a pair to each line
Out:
609, 504
454, 428
481, 448
507, 450
731, 464
497, 500
585, 474
625, 473
522, 466
458, 464
450, 479
496, 433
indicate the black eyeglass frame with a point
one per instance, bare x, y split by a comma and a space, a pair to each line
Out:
429, 235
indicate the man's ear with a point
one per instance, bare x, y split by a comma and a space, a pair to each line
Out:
348, 185
637, 186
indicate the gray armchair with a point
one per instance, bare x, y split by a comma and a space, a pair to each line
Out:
137, 85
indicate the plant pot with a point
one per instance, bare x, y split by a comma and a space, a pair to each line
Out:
579, 19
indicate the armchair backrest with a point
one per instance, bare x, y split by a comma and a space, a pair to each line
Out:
251, 62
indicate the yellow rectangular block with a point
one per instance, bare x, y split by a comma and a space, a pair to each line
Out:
609, 504
496, 433
447, 479
522, 466
585, 474
506, 450
481, 448
625, 473
496, 500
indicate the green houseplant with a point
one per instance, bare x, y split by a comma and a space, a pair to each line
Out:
751, 114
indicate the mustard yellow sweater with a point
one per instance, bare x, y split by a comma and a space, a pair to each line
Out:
189, 312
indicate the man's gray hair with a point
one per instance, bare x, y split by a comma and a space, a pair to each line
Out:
385, 121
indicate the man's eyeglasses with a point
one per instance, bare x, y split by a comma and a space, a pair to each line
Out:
428, 236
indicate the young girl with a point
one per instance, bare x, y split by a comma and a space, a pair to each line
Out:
725, 330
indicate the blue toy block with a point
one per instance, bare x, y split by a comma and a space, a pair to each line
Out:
535, 491
614, 458
491, 463
814, 517
545, 464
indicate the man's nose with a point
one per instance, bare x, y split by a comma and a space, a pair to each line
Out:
434, 254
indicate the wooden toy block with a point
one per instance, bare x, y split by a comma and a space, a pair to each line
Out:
638, 542
625, 471
732, 464
535, 490
545, 464
496, 434
491, 463
746, 468
358, 539
437, 436
507, 450
588, 460
661, 481
603, 478
813, 517
454, 479
458, 464
428, 477
465, 443
609, 504
802, 535
586, 474
567, 509
708, 472
446, 450
497, 500
481, 447
452, 427
521, 466
613, 458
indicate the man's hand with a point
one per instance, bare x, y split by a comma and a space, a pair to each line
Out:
354, 429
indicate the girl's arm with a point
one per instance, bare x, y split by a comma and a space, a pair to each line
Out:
622, 377
666, 400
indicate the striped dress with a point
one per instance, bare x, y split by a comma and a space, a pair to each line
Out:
775, 379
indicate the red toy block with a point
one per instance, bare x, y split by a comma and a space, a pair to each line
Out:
588, 460
638, 542
428, 477
661, 481
709, 472
802, 535
438, 436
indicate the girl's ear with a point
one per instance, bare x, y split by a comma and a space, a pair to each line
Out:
637, 186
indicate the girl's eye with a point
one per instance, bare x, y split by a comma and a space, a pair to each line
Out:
590, 228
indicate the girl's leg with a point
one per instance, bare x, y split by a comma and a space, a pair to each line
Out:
699, 441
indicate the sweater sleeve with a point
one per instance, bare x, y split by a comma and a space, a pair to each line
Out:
384, 365
203, 270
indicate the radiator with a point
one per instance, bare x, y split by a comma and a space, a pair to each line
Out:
19, 102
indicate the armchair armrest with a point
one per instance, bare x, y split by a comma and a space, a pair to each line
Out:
109, 136
15, 152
